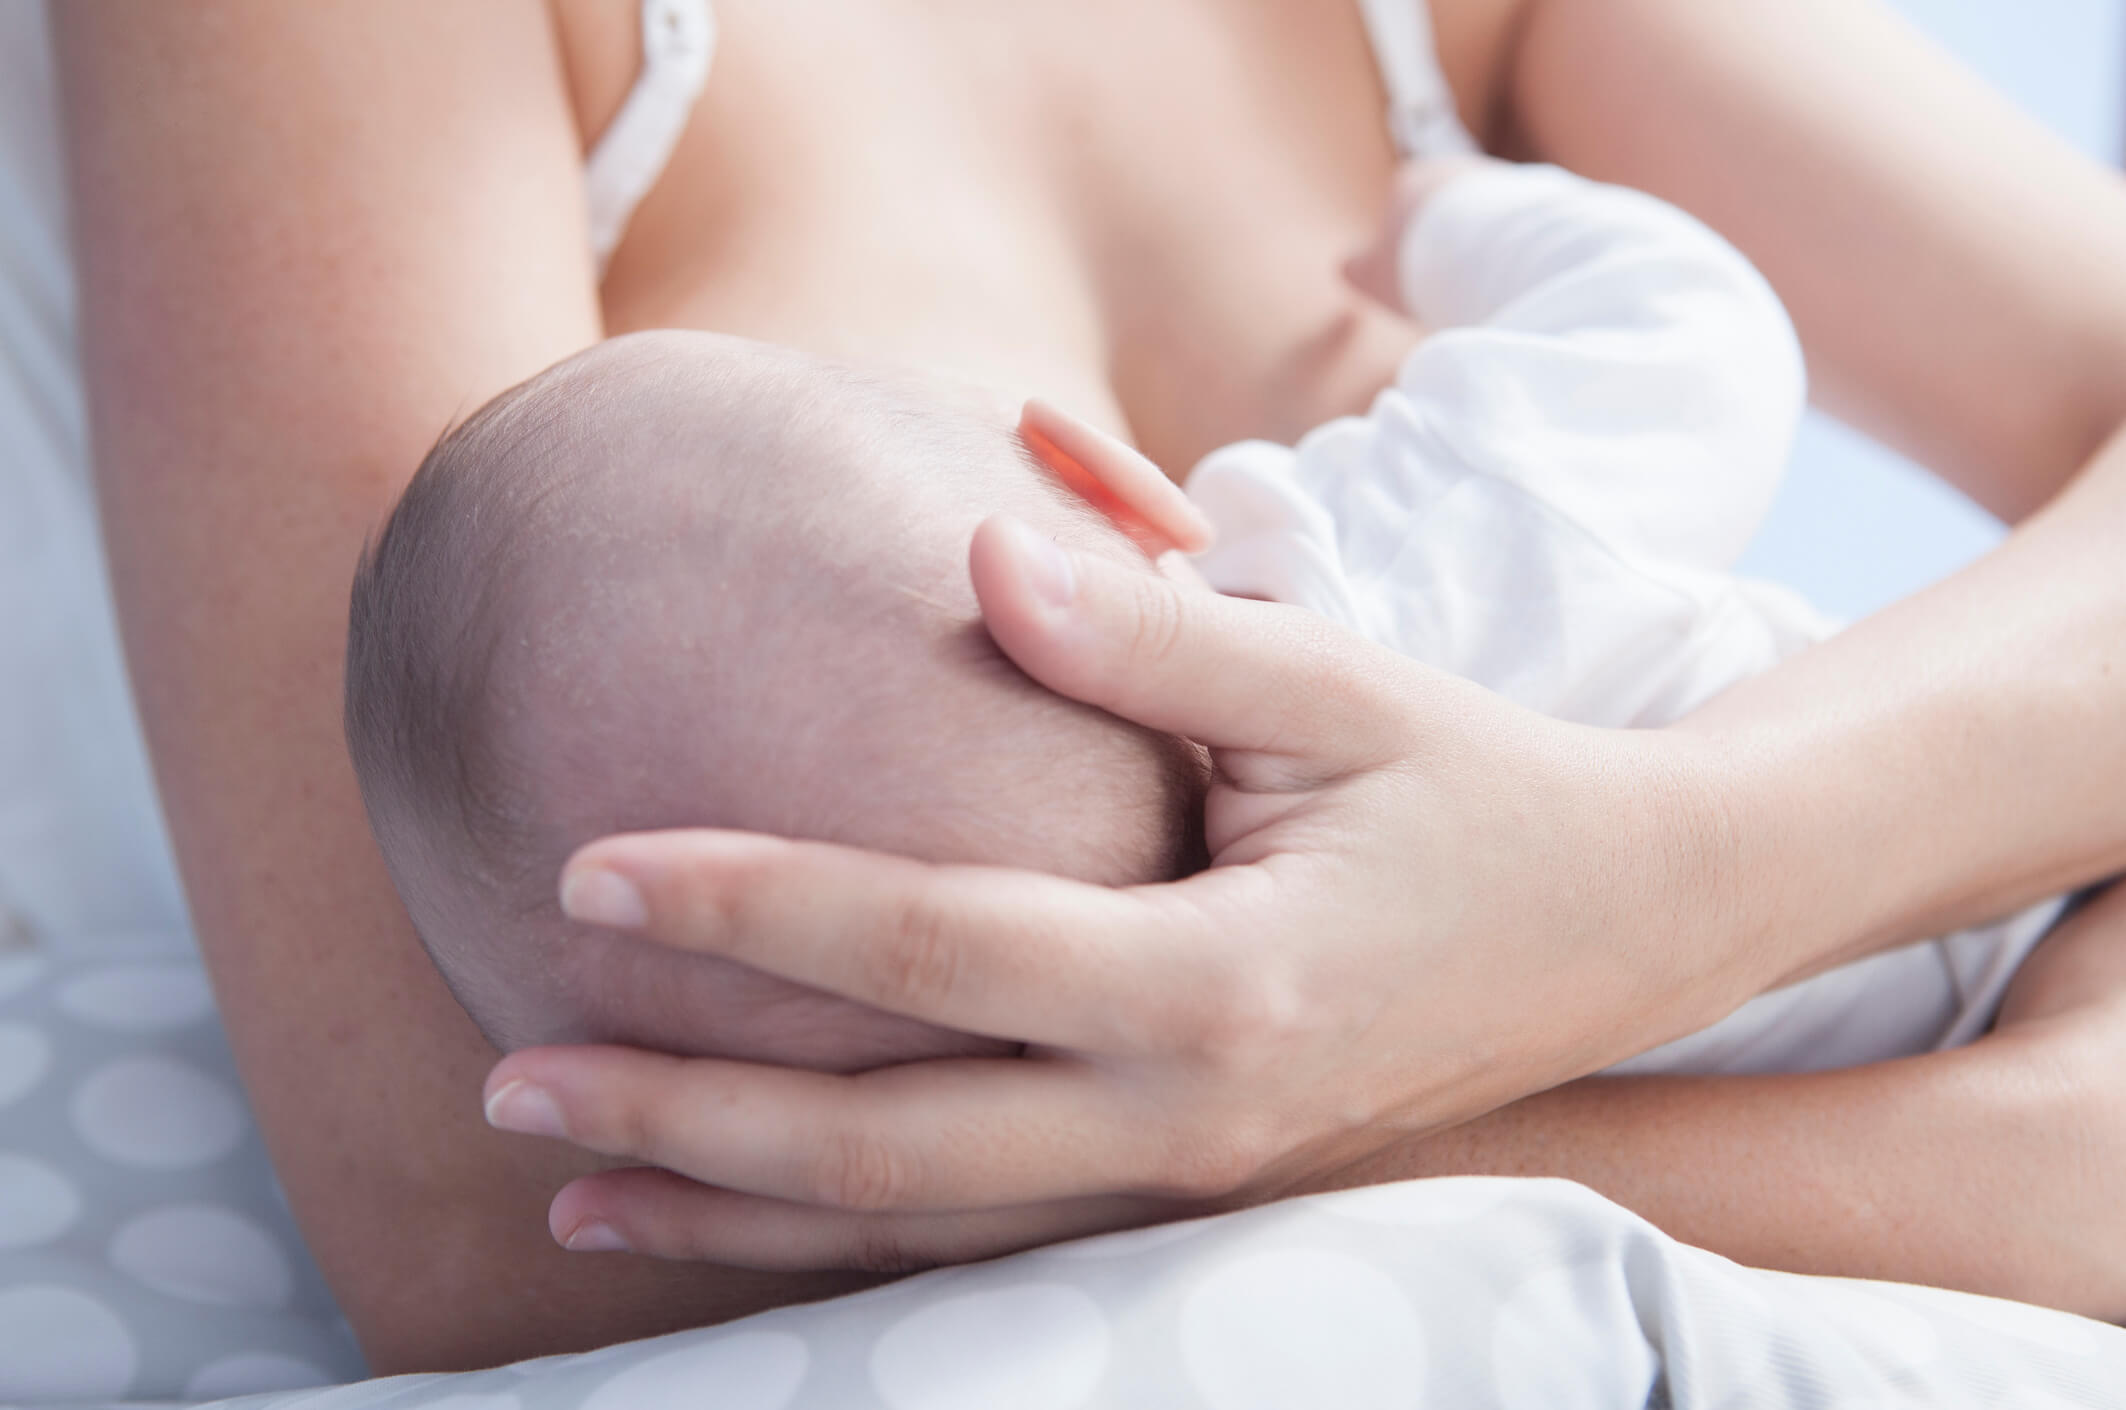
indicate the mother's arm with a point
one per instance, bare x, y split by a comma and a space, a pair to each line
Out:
1952, 267
310, 236
1957, 277
1994, 1168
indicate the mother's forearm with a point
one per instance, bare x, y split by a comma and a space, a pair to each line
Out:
1952, 269
1974, 1169
1941, 763
1993, 1168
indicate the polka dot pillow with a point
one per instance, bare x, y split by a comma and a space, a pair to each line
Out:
145, 1251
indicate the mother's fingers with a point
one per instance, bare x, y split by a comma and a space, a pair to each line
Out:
1016, 955
1226, 672
929, 1136
646, 1210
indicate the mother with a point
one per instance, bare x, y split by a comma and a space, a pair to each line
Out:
311, 235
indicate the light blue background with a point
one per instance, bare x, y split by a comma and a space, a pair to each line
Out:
1856, 527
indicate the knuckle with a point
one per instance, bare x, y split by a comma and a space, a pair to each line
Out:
711, 900
693, 1240
876, 1247
645, 1119
1240, 1021
916, 960
1157, 622
859, 1171
1355, 688
1369, 689
1214, 1165
696, 897
639, 1130
738, 908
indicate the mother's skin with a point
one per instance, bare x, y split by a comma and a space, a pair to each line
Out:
310, 235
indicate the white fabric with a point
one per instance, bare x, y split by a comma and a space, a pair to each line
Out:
1421, 115
1465, 1294
1542, 502
678, 41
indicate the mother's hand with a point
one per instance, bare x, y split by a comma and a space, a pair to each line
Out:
1424, 902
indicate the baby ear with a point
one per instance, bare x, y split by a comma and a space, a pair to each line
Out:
1114, 479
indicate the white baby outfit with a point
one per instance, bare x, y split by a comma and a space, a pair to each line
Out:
1544, 502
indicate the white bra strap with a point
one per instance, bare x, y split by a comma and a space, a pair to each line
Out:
1421, 114
678, 40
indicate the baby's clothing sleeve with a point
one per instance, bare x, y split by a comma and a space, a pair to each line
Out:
1604, 350
1543, 503
1543, 498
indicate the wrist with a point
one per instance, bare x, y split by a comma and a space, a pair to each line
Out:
1642, 877
1708, 908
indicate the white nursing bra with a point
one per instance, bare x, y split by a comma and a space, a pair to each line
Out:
679, 41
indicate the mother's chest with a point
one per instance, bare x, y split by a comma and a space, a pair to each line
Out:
1154, 192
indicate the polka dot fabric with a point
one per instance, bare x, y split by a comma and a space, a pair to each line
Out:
144, 1248
1458, 1294
1471, 1294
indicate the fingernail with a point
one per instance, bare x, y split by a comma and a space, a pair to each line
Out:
597, 896
1048, 569
595, 1237
525, 1109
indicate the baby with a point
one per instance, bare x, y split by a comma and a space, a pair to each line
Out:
684, 579
688, 579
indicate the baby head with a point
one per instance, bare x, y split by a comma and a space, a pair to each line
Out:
687, 580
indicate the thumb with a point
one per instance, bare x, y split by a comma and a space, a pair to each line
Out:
1226, 672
